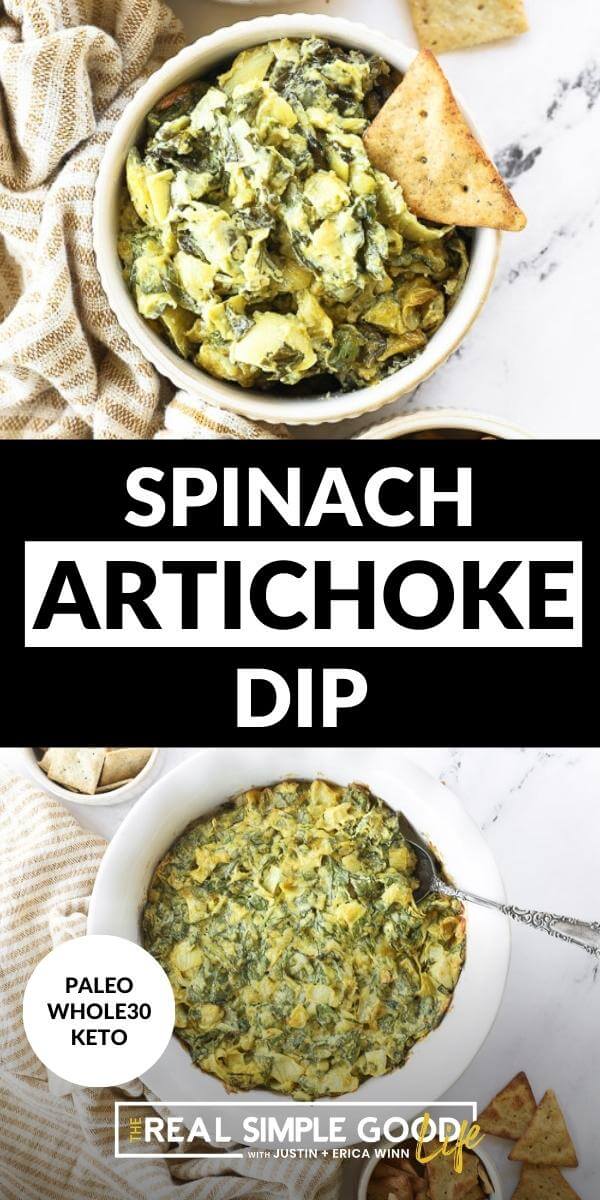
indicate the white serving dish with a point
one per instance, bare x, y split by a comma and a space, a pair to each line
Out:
118, 795
407, 424
201, 59
202, 783
488, 1163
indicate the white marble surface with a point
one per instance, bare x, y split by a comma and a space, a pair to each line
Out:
540, 812
531, 357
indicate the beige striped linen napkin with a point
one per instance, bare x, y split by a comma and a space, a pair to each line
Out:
57, 1144
67, 369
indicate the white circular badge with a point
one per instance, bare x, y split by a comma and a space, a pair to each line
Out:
98, 1011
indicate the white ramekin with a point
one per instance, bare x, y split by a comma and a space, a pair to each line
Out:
489, 1165
117, 796
430, 419
202, 59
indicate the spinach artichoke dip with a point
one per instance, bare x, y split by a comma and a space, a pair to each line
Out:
299, 960
258, 239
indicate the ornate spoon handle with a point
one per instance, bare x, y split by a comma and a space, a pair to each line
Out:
569, 929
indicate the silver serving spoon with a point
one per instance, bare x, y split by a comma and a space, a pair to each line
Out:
581, 933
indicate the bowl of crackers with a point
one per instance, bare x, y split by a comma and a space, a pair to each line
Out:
397, 1174
375, 218
92, 774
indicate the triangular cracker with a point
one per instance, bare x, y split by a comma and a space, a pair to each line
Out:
546, 1142
445, 25
510, 1112
421, 139
444, 1182
543, 1183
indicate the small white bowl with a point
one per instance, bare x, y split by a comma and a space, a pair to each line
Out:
489, 1165
118, 795
201, 60
431, 419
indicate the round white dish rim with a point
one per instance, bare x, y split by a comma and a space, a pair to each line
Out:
488, 1162
193, 61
